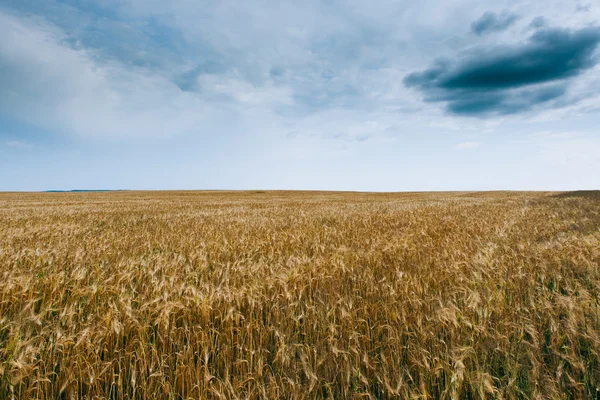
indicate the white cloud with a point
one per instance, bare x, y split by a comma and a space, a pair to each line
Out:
18, 144
54, 86
245, 93
468, 145
331, 57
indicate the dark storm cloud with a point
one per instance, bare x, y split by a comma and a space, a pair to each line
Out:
503, 102
549, 55
487, 80
492, 22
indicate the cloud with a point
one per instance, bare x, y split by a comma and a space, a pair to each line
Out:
467, 145
503, 102
18, 144
549, 55
150, 68
538, 22
492, 22
512, 78
584, 7
78, 79
50, 84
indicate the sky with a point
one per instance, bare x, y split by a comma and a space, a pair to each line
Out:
390, 95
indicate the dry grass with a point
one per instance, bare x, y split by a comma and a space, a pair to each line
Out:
299, 295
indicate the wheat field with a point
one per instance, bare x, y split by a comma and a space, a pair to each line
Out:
299, 295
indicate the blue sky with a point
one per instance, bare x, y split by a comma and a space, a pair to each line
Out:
382, 96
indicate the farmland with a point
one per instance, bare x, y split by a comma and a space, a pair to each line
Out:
181, 295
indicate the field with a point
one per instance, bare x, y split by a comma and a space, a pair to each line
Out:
177, 295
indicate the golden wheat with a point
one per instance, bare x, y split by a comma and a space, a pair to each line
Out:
177, 295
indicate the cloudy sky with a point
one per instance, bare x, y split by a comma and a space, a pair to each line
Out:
342, 95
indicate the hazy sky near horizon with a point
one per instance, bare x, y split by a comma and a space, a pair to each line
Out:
335, 95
